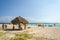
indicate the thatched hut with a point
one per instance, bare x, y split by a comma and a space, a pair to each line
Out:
19, 20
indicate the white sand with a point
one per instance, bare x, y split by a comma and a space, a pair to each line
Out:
47, 32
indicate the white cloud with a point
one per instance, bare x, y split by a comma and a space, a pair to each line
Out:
50, 19
5, 19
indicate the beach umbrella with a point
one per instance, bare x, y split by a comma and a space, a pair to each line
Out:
19, 20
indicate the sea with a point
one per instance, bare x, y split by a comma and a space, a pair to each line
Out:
45, 24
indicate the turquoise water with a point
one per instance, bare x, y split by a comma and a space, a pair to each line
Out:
45, 24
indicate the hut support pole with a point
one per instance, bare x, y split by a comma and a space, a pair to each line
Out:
24, 26
13, 26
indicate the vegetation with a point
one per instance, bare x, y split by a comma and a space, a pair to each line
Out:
2, 33
26, 36
22, 36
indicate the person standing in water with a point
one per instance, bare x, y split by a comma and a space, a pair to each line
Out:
54, 25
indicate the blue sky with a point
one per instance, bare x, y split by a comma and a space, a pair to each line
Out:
32, 10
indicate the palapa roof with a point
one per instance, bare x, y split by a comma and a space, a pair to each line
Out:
19, 19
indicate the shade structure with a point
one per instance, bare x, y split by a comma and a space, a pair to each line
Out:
19, 19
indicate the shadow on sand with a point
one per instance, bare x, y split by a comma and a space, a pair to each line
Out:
12, 29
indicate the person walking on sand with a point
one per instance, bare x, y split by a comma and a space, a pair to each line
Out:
2, 26
5, 26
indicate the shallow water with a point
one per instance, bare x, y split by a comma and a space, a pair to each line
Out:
45, 24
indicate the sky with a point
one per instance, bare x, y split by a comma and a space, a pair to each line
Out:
31, 10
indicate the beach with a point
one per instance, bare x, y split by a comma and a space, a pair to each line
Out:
49, 33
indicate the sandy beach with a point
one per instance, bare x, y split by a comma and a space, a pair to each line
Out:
46, 32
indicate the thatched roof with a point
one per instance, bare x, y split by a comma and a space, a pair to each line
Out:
19, 20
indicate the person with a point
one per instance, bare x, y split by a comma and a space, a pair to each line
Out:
2, 26
54, 25
20, 28
5, 26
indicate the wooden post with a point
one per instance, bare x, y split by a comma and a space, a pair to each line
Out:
19, 25
13, 27
24, 26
